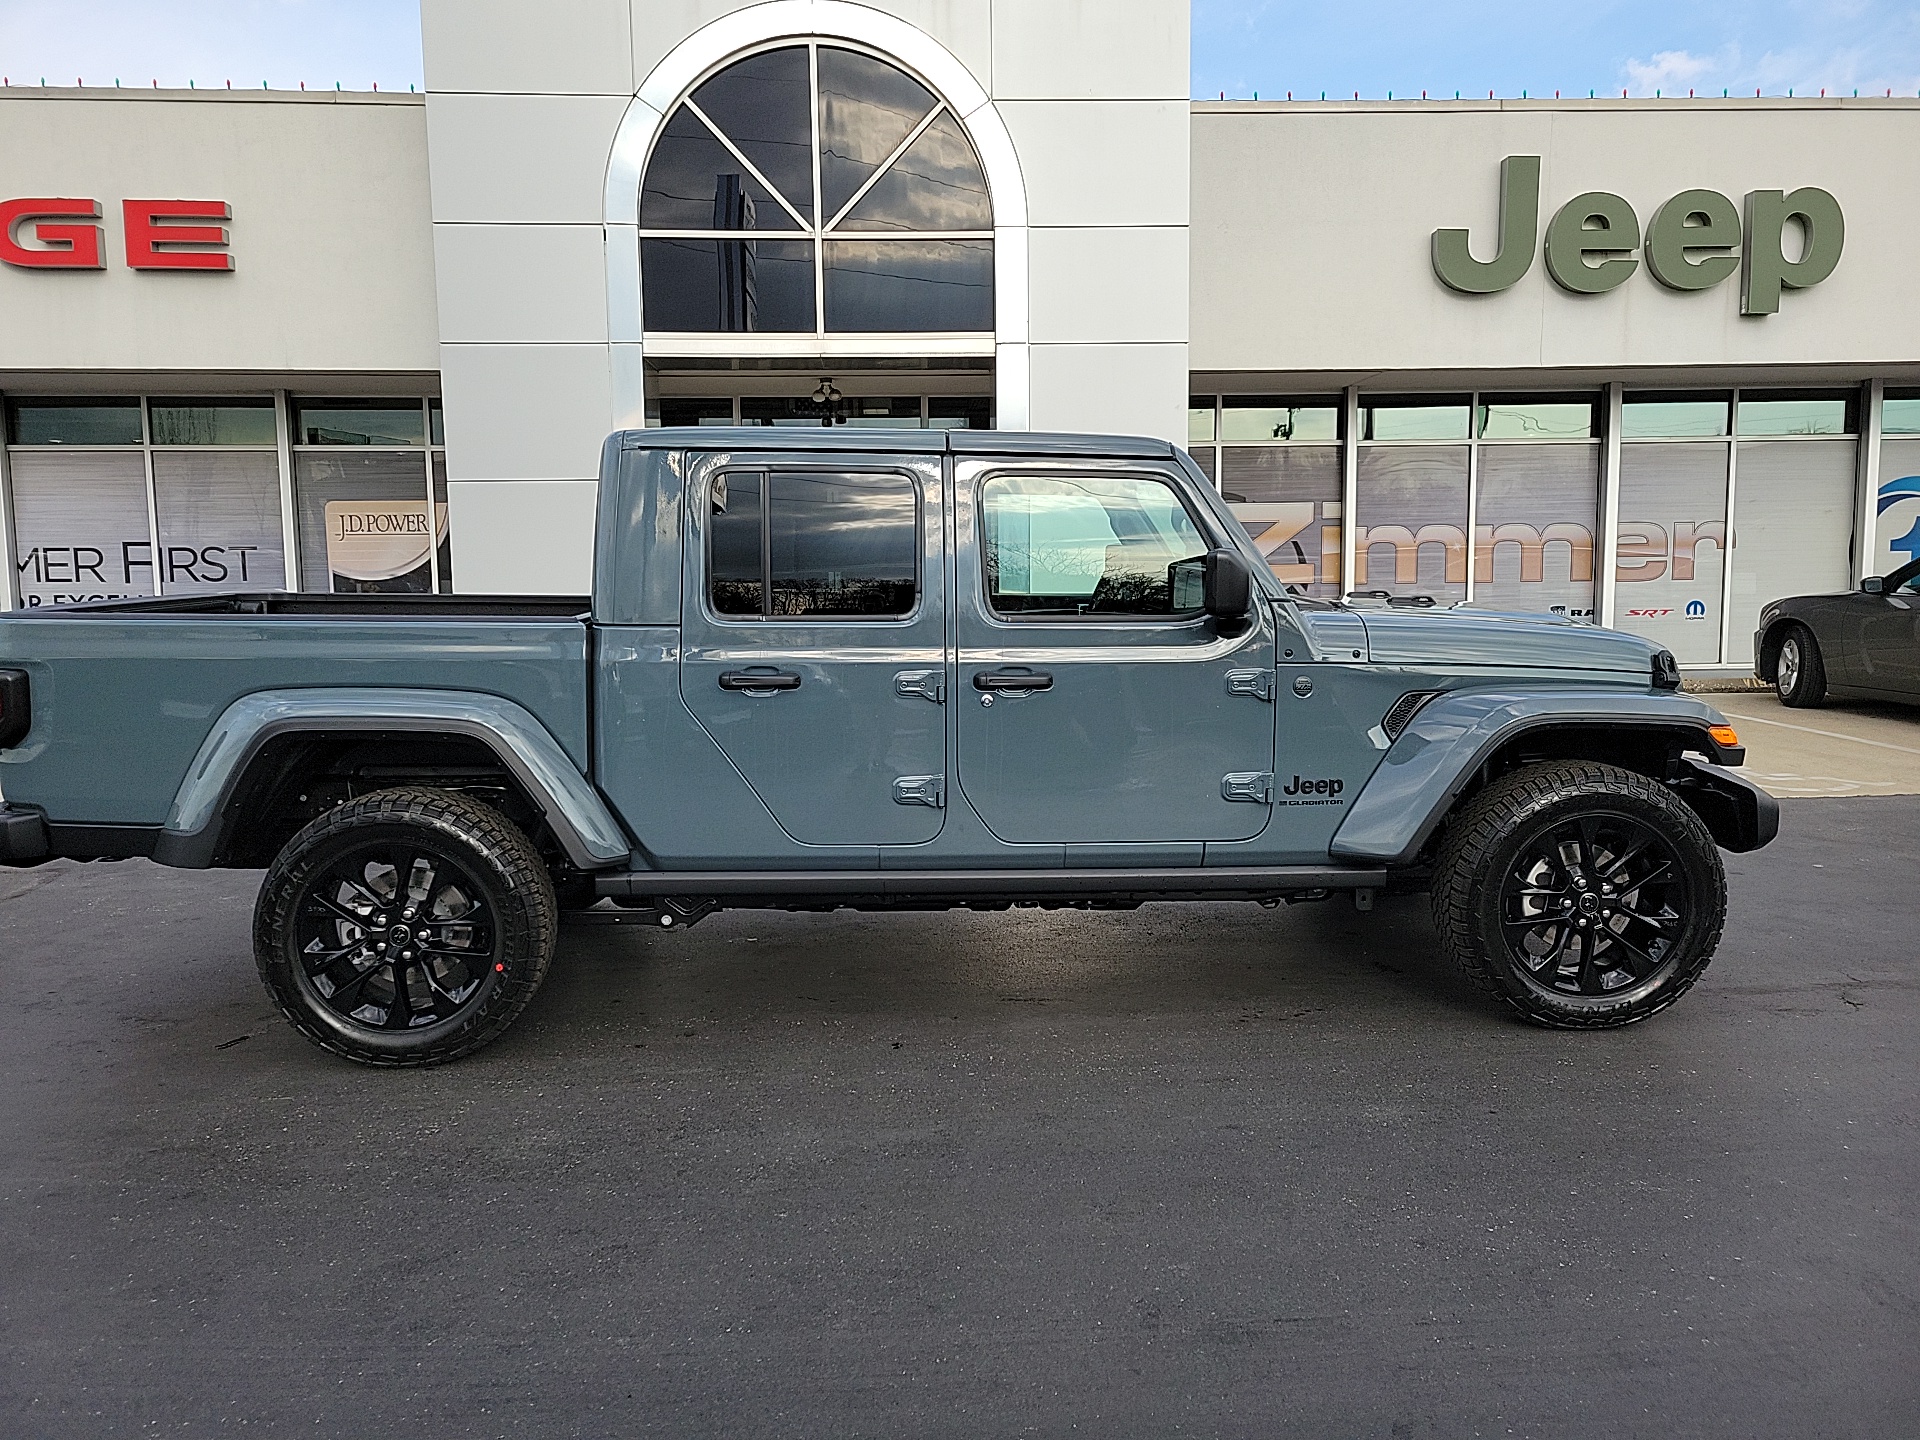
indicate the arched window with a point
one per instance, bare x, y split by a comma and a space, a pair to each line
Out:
867, 206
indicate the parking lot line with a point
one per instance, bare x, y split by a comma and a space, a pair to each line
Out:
1829, 734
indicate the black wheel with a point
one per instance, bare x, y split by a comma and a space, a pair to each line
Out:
1583, 895
407, 927
1800, 675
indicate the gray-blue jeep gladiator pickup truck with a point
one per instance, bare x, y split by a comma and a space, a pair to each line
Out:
880, 670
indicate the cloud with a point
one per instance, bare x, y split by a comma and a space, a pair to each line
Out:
1671, 70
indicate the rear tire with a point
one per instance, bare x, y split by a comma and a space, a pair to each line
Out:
406, 927
1799, 674
1583, 895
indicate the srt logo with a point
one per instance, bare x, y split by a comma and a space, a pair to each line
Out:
1649, 614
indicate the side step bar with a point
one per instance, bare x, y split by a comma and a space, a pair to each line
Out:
1249, 882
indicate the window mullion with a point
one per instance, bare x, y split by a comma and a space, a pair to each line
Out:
885, 165
752, 169
819, 230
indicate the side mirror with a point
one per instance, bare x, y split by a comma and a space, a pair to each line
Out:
1874, 585
1227, 586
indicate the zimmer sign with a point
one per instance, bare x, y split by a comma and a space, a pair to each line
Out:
1694, 241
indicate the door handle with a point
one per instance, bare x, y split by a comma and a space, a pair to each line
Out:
990, 680
759, 680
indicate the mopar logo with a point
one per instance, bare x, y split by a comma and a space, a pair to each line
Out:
1696, 609
1302, 786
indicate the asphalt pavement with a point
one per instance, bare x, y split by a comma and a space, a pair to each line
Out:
1192, 1170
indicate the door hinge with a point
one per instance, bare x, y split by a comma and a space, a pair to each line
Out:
1255, 787
1255, 683
928, 790
927, 684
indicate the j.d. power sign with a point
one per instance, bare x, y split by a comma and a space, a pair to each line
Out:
1693, 242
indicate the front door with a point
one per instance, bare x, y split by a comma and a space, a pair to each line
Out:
1890, 633
1098, 705
813, 645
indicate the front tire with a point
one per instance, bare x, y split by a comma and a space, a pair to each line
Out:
406, 927
1583, 895
1799, 674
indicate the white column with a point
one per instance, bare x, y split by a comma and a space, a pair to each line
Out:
1349, 484
1866, 517
1605, 551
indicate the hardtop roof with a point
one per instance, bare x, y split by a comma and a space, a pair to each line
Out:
842, 438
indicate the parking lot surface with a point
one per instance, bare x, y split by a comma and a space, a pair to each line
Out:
1847, 747
1192, 1170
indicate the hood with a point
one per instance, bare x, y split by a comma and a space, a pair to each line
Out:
1488, 637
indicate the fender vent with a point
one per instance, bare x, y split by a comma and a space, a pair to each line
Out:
1403, 711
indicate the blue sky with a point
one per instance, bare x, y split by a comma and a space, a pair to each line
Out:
1239, 46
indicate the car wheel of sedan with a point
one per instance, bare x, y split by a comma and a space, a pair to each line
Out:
1583, 895
1800, 675
406, 927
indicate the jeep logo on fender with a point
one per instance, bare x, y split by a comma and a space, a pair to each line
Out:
1303, 791
1690, 241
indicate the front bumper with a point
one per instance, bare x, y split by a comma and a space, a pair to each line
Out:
1739, 814
23, 837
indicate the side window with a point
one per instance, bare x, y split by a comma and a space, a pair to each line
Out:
1093, 545
788, 544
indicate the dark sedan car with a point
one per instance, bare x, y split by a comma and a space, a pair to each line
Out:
1866, 643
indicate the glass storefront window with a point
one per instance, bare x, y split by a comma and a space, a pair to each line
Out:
1199, 419
1548, 418
1672, 543
73, 420
1268, 418
839, 149
1288, 499
1537, 528
1896, 533
700, 410
727, 286
1410, 535
364, 523
219, 518
897, 412
1792, 524
959, 412
359, 422
1763, 414
436, 421
879, 286
1414, 418
212, 422
1900, 413
80, 526
1673, 417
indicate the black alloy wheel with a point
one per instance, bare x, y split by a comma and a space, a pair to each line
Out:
1583, 895
1593, 905
406, 927
396, 936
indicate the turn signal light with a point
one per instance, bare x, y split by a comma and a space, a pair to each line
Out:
1724, 736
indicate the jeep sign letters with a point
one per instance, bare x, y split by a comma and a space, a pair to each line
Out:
1689, 245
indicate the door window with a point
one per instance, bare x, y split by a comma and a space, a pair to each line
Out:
784, 545
1093, 546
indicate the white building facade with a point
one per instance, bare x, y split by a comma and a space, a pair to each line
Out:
1669, 371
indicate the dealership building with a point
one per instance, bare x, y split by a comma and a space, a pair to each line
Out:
1653, 362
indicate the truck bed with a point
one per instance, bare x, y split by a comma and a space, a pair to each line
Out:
125, 691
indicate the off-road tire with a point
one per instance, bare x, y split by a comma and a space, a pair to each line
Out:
1493, 833
1804, 685
516, 897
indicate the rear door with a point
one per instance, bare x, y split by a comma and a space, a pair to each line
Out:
813, 638
1096, 704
